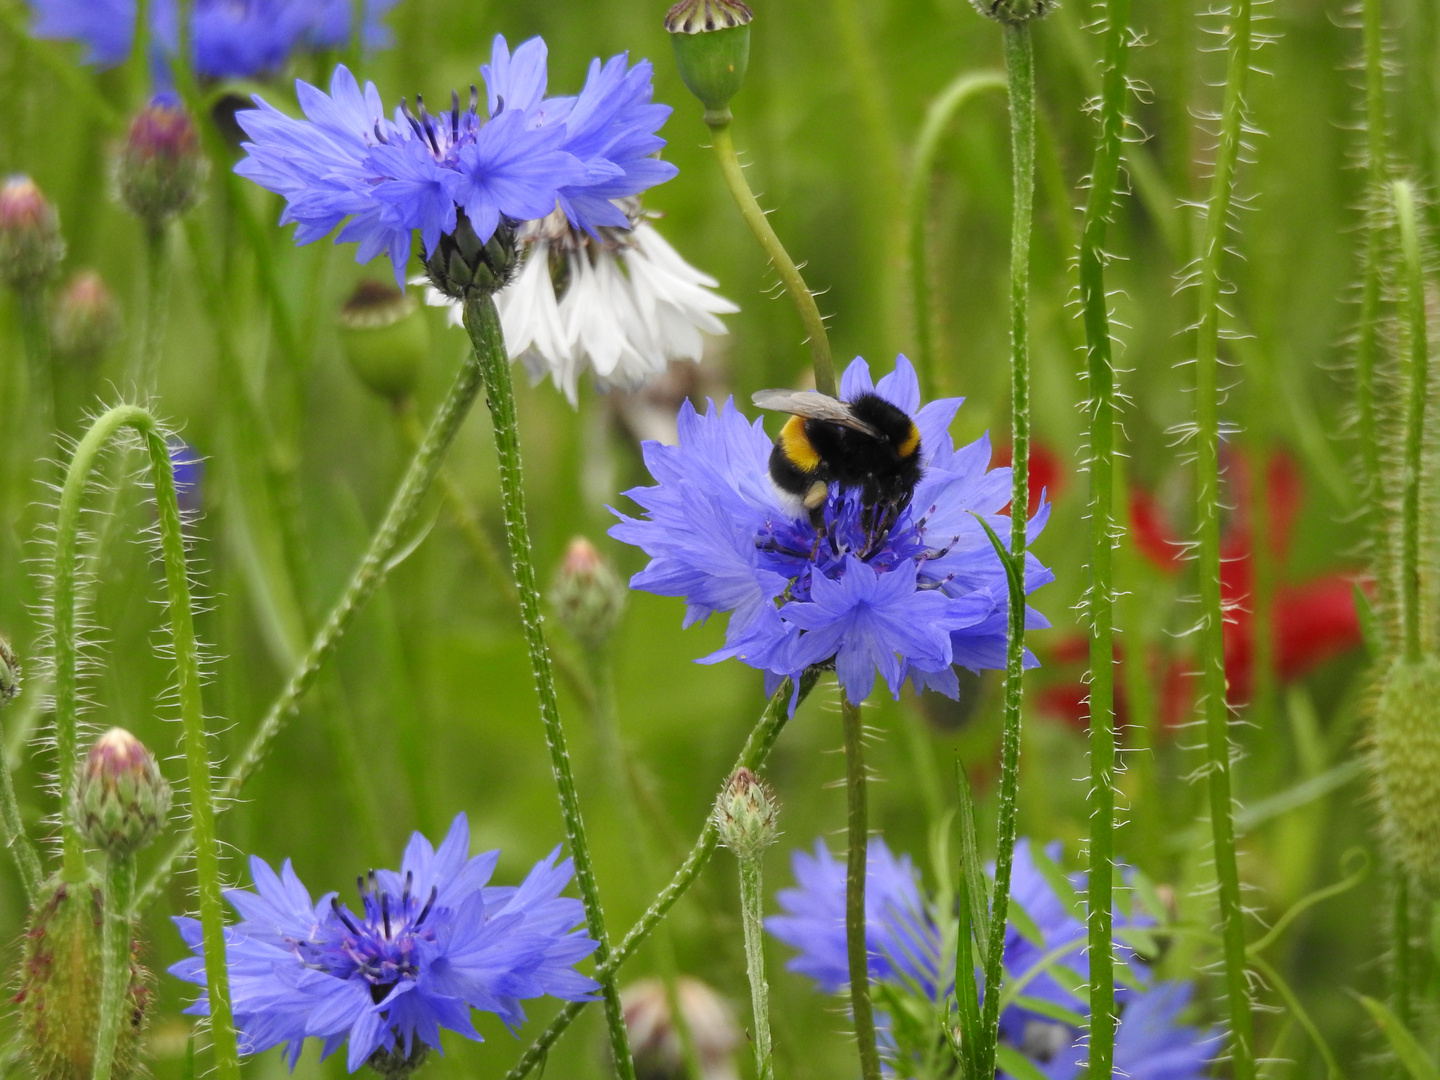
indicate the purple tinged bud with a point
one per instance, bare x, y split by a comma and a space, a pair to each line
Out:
385, 338
31, 247
59, 996
746, 813
9, 673
589, 597
85, 320
160, 167
121, 799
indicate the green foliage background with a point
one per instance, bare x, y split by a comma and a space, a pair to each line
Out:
429, 710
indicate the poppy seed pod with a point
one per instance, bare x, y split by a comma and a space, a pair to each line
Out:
385, 338
1407, 760
1013, 12
712, 48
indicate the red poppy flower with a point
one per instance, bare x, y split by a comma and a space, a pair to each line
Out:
1047, 473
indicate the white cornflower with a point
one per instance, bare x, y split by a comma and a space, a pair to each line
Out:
623, 306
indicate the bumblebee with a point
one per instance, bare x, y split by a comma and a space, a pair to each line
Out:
867, 443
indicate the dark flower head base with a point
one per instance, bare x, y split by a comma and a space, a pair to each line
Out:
930, 595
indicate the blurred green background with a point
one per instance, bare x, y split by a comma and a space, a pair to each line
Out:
428, 709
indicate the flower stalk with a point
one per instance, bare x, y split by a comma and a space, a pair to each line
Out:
1412, 470
117, 883
1367, 345
752, 918
757, 748
1207, 467
857, 812
482, 322
800, 294
1100, 371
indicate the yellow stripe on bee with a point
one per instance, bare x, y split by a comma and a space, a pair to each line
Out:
797, 446
911, 443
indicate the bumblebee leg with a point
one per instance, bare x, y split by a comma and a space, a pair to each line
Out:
815, 503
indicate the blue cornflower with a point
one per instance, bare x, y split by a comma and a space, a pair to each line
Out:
931, 595
390, 177
229, 38
427, 944
189, 471
910, 952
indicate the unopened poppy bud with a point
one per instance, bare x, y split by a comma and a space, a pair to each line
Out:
385, 338
588, 596
655, 1037
1407, 761
85, 320
9, 673
712, 49
31, 246
746, 813
160, 167
1013, 11
59, 997
121, 799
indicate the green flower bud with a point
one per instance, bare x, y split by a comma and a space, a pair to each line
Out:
588, 596
462, 267
1407, 762
397, 1065
9, 673
31, 246
120, 799
1013, 11
85, 320
160, 167
59, 998
712, 48
385, 338
745, 814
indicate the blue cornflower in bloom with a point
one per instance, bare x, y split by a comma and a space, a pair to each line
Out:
426, 945
930, 595
189, 471
229, 38
910, 953
459, 175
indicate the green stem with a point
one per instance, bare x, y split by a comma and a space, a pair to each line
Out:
1104, 176
27, 862
118, 883
858, 827
1207, 468
368, 576
1411, 474
482, 321
151, 338
35, 333
1367, 346
1020, 72
1400, 962
800, 294
757, 748
752, 913
917, 202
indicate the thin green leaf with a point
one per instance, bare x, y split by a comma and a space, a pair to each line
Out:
1051, 1010
1017, 1064
1029, 929
1058, 882
1012, 572
974, 901
1407, 1049
972, 870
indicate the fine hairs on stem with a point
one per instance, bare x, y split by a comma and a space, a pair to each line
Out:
187, 669
759, 224
482, 321
757, 748
1216, 709
858, 841
1100, 371
118, 881
369, 574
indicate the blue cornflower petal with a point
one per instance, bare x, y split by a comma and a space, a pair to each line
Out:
426, 945
930, 594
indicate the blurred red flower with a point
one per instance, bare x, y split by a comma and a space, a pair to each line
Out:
1047, 473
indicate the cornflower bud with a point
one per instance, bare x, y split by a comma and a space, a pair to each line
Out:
59, 996
712, 48
160, 167
385, 338
655, 1038
588, 596
463, 268
1407, 760
396, 1064
31, 246
120, 799
746, 813
1013, 11
9, 673
85, 320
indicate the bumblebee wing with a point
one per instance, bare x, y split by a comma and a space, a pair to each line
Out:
813, 406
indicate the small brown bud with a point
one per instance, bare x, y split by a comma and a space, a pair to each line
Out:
588, 596
31, 246
85, 320
121, 799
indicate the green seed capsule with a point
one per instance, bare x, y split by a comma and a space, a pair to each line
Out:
1407, 765
712, 48
385, 338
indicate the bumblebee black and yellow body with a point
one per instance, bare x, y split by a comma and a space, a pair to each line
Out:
867, 443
